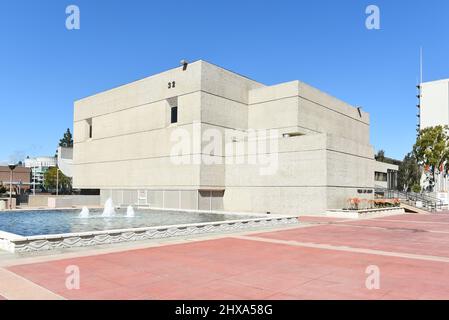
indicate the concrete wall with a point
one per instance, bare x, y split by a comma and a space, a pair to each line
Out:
383, 167
73, 201
132, 134
4, 203
316, 172
324, 113
298, 106
38, 201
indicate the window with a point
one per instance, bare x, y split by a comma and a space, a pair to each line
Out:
380, 176
174, 114
89, 128
292, 134
172, 110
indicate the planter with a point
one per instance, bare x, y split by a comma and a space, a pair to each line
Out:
356, 214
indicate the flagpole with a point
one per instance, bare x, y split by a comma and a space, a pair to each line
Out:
420, 65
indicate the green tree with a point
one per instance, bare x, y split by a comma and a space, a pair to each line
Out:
380, 156
67, 140
432, 149
64, 182
2, 188
409, 174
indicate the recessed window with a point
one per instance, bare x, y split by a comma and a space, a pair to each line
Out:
380, 176
174, 114
292, 134
172, 110
89, 128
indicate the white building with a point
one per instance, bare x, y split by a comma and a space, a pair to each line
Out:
434, 103
39, 167
315, 156
434, 111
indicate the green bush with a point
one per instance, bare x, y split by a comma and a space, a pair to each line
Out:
416, 188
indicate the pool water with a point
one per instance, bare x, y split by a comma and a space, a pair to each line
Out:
33, 223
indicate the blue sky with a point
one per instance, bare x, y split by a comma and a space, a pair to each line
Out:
44, 67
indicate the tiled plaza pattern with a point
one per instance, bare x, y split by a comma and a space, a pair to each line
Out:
324, 261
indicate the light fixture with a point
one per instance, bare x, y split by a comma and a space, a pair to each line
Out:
11, 167
184, 64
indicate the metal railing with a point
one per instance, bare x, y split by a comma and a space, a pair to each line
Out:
429, 203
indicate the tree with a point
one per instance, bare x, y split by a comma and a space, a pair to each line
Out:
409, 174
64, 182
2, 188
432, 149
67, 140
380, 156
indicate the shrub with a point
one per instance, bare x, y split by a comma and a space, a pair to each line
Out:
2, 188
384, 203
416, 188
396, 202
354, 203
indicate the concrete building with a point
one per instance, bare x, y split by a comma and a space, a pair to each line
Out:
385, 175
20, 179
294, 149
39, 167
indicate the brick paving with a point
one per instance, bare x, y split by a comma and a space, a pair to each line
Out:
325, 261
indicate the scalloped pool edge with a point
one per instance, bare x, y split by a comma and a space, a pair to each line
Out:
20, 244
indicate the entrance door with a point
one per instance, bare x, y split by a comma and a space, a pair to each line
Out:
142, 198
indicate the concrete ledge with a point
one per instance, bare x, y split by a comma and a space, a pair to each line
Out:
15, 287
356, 214
62, 201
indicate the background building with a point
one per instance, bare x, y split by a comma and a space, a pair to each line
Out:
385, 175
434, 103
20, 181
39, 167
123, 139
434, 111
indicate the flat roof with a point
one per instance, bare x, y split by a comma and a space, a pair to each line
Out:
167, 70
433, 81
17, 169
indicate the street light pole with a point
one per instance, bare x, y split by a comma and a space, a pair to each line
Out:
33, 175
11, 167
57, 181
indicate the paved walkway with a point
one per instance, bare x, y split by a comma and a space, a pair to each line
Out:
328, 259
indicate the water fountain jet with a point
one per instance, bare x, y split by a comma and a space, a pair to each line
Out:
84, 213
109, 210
130, 212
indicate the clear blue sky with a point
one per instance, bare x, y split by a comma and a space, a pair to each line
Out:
44, 67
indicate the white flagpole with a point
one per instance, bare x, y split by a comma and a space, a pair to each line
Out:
420, 65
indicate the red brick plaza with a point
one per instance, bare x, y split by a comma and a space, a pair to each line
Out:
326, 259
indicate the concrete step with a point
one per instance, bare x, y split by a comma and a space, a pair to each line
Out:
410, 208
